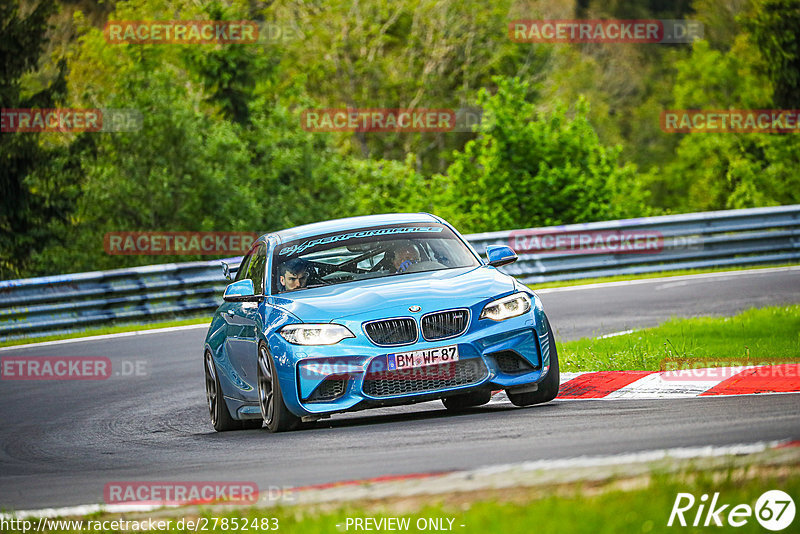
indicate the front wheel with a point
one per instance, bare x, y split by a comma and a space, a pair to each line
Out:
548, 388
270, 398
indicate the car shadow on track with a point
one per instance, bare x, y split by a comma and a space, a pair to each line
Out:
385, 416
400, 414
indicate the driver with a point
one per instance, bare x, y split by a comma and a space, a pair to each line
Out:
294, 274
402, 255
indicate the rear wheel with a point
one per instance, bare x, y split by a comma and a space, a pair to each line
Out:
548, 388
270, 398
458, 403
220, 417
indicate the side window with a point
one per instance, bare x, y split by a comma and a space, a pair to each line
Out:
257, 268
242, 271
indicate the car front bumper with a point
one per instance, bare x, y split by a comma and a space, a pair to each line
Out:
353, 375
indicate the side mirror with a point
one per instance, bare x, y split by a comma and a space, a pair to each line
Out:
241, 291
500, 255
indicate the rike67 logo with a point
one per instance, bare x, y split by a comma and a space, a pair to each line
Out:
774, 510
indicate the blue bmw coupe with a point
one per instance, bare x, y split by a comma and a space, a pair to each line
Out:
372, 311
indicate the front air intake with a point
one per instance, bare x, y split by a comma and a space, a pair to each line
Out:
381, 383
329, 390
509, 362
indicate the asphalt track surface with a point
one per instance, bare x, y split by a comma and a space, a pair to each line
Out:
62, 441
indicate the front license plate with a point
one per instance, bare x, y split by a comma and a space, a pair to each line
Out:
422, 358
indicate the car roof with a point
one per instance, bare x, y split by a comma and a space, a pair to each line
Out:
352, 223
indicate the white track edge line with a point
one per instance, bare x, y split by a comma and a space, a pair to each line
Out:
108, 336
663, 279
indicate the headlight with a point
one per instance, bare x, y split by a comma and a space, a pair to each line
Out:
315, 334
507, 307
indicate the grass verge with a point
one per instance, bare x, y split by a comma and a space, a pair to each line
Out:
771, 332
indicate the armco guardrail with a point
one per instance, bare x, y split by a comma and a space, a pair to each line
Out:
67, 303
687, 241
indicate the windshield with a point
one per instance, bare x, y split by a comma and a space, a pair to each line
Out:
364, 253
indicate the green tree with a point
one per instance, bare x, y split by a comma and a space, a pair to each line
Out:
404, 54
530, 169
774, 25
30, 200
725, 170
205, 159
388, 186
228, 73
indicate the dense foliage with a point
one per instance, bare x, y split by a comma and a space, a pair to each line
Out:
569, 133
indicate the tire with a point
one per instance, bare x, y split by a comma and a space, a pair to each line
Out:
221, 419
458, 403
548, 388
276, 416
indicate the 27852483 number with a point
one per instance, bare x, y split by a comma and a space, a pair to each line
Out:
233, 524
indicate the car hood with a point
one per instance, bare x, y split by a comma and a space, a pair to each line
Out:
434, 290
